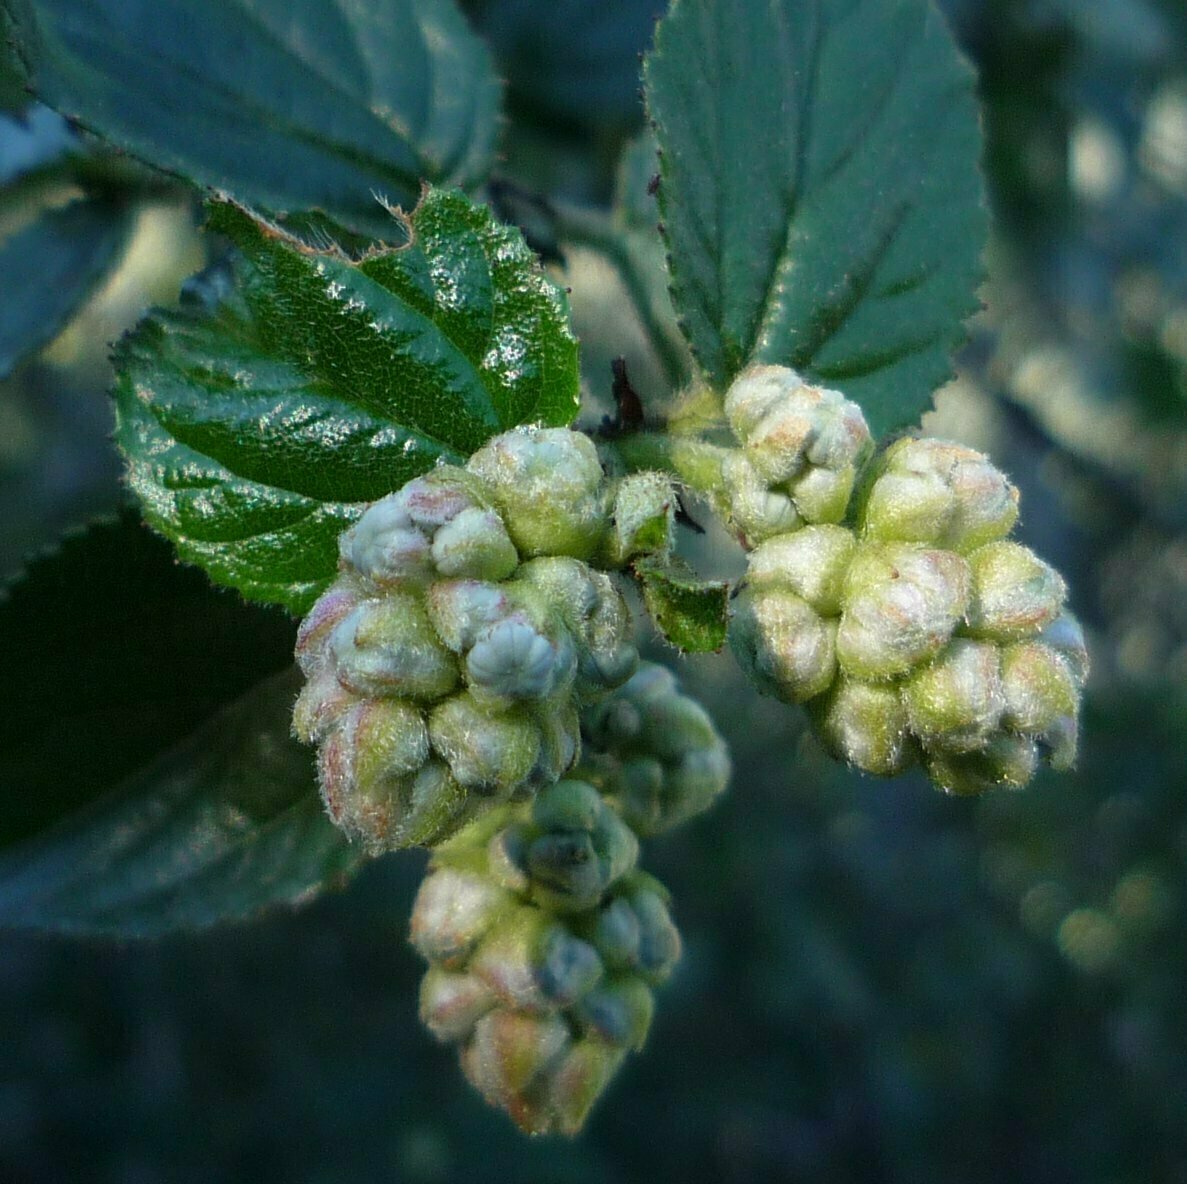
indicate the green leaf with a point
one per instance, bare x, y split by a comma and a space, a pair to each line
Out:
691, 613
256, 433
55, 263
287, 104
570, 59
147, 777
820, 191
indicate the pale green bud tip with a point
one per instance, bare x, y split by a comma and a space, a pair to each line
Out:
804, 440
489, 753
643, 518
434, 524
811, 563
942, 494
783, 644
901, 604
549, 486
957, 701
388, 647
512, 659
1015, 594
865, 724
756, 511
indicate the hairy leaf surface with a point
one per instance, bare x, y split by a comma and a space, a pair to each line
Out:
257, 431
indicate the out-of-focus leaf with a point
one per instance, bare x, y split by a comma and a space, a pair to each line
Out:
30, 140
147, 777
571, 58
255, 434
50, 267
290, 105
820, 191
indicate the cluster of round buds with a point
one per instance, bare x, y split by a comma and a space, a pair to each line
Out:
801, 450
447, 664
654, 751
544, 945
924, 633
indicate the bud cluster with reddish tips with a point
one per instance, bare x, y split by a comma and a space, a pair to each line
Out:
910, 625
447, 664
544, 945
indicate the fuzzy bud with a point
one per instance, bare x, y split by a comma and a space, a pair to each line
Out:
923, 635
803, 441
654, 752
939, 494
549, 486
544, 991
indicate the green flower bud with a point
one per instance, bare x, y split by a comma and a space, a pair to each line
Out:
901, 604
756, 511
388, 647
487, 753
441, 517
783, 644
802, 440
1042, 693
941, 494
367, 765
543, 1004
593, 610
1007, 761
567, 852
1015, 594
475, 544
812, 563
549, 486
513, 661
865, 724
654, 752
643, 519
956, 702
454, 911
462, 609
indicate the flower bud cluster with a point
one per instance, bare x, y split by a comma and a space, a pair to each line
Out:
801, 450
544, 944
654, 751
922, 634
447, 664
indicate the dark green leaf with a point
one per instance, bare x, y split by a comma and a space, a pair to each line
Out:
821, 192
288, 104
637, 184
147, 777
573, 59
54, 264
255, 434
691, 613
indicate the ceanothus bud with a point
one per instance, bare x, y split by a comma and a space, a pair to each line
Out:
541, 971
443, 675
803, 441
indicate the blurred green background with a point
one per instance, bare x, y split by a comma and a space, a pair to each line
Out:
879, 984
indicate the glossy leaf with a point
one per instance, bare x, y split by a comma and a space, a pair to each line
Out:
256, 433
820, 191
691, 613
291, 105
147, 777
55, 263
